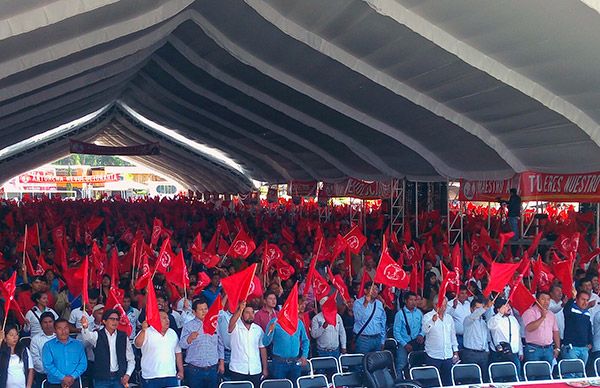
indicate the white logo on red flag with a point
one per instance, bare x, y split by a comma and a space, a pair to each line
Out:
353, 242
394, 272
240, 248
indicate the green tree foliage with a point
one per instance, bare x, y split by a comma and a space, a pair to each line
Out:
92, 160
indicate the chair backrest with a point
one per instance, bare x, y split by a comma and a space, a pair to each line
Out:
503, 372
537, 370
390, 344
572, 368
350, 379
236, 384
351, 362
466, 374
428, 376
327, 365
597, 366
314, 381
416, 359
276, 383
26, 341
379, 369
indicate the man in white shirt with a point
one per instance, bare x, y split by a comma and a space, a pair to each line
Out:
37, 344
162, 363
441, 347
248, 354
75, 317
505, 332
330, 339
459, 308
113, 356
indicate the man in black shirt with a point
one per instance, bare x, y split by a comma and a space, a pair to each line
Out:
514, 212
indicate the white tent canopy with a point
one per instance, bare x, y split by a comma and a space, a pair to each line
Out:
310, 89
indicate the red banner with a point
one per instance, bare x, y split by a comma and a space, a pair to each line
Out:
303, 188
356, 188
26, 178
79, 147
487, 190
560, 187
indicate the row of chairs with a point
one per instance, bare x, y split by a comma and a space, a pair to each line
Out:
500, 372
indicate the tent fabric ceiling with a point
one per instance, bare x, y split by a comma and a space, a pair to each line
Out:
309, 89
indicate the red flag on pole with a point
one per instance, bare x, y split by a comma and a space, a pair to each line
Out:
157, 227
203, 281
196, 248
271, 255
339, 246
320, 286
520, 298
390, 273
329, 309
288, 316
8, 291
542, 276
534, 244
339, 285
256, 290
152, 312
500, 275
178, 275
114, 302
165, 257
209, 325
564, 272
355, 240
237, 286
242, 246
504, 237
361, 287
284, 269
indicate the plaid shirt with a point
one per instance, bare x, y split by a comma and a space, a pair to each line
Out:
205, 350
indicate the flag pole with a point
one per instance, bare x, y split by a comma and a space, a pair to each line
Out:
24, 267
133, 264
316, 259
37, 229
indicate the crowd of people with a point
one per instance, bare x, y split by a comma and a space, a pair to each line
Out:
75, 340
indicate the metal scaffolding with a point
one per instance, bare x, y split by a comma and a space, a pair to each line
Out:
397, 194
455, 221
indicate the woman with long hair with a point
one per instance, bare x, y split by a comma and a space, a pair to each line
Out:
16, 366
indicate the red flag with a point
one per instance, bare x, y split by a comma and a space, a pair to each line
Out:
157, 227
320, 286
504, 237
223, 246
329, 309
75, 278
196, 248
37, 270
480, 272
178, 275
114, 267
271, 255
520, 298
33, 236
114, 302
534, 244
339, 246
288, 316
284, 269
165, 257
442, 292
500, 275
588, 257
152, 313
8, 291
355, 240
390, 273
256, 290
567, 244
242, 246
414, 279
363, 281
212, 244
237, 286
485, 255
309, 276
564, 273
542, 276
203, 281
339, 285
211, 319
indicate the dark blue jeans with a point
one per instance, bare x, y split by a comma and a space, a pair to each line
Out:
288, 368
366, 344
538, 353
444, 367
160, 382
201, 378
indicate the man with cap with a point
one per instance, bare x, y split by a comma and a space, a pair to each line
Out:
113, 356
505, 335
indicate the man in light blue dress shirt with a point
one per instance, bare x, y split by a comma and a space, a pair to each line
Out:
369, 331
408, 330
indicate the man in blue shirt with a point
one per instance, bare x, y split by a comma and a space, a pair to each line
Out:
213, 290
369, 321
63, 358
290, 352
408, 330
